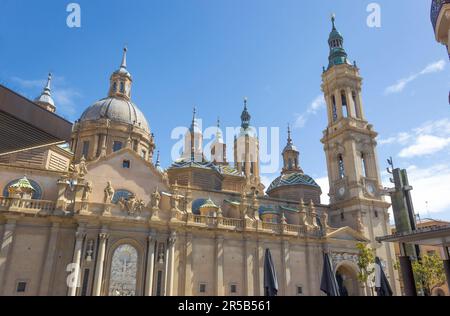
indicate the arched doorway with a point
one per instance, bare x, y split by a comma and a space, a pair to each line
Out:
347, 280
122, 281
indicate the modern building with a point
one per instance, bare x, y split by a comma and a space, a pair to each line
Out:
108, 220
26, 124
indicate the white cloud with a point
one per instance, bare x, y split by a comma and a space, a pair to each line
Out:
325, 186
430, 190
316, 105
430, 185
425, 145
434, 67
401, 84
427, 139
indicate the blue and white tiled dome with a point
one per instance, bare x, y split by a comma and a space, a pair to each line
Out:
292, 179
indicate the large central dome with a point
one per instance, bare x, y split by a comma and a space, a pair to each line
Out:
113, 123
116, 110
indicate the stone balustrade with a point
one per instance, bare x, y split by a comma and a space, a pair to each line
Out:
9, 204
188, 219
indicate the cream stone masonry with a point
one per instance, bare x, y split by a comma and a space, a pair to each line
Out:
200, 227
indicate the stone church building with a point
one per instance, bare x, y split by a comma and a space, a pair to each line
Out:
99, 216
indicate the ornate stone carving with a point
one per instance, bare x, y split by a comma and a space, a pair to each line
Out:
87, 191
109, 193
175, 199
155, 199
172, 239
338, 257
132, 205
324, 221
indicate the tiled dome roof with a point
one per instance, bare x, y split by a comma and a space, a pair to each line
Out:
292, 179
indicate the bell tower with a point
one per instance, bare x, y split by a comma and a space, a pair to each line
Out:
356, 191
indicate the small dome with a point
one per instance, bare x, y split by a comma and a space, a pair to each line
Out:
209, 204
117, 110
296, 178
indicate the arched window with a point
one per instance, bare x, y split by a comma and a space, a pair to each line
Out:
117, 146
335, 116
122, 281
115, 86
363, 165
85, 150
290, 164
341, 167
125, 194
345, 104
37, 194
122, 87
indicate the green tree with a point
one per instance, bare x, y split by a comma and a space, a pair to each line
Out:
366, 261
429, 273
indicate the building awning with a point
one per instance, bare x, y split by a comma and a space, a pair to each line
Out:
25, 125
431, 236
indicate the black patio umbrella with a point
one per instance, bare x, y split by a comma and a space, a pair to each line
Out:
270, 276
328, 283
381, 282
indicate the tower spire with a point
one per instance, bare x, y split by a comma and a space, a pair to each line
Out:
289, 140
124, 58
338, 55
245, 116
45, 100
158, 162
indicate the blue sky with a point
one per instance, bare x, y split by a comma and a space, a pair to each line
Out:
212, 53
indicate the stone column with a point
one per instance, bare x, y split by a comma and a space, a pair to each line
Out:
79, 238
189, 263
350, 104
170, 264
150, 264
99, 264
359, 104
8, 237
338, 98
49, 261
219, 266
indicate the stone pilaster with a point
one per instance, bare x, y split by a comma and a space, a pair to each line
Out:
8, 238
170, 263
189, 264
249, 267
285, 261
99, 264
49, 263
79, 238
150, 265
220, 291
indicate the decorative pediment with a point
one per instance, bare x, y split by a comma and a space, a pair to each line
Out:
138, 161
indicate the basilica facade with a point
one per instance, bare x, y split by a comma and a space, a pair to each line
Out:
101, 217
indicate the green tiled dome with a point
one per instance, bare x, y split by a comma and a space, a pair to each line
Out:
292, 179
